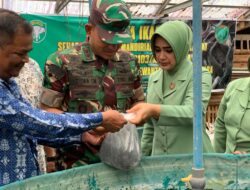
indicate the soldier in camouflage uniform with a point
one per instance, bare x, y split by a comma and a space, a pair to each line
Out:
94, 76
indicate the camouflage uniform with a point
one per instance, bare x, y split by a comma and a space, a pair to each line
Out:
78, 81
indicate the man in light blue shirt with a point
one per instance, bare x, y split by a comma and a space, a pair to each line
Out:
21, 125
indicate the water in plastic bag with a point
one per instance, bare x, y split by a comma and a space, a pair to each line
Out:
122, 149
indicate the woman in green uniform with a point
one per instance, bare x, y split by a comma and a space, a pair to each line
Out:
232, 129
170, 95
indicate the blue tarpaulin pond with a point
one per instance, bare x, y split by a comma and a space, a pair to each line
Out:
222, 171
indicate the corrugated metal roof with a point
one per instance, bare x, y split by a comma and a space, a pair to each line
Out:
224, 9
218, 11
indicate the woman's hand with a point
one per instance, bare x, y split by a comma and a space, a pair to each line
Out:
143, 111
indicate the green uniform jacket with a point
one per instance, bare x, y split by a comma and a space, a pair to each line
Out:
172, 133
232, 125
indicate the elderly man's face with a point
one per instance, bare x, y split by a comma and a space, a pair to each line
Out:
100, 48
14, 55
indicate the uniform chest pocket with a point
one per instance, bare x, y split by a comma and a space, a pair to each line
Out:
124, 80
124, 91
84, 88
124, 86
82, 84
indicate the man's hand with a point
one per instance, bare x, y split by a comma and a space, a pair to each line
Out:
100, 130
143, 111
113, 121
92, 138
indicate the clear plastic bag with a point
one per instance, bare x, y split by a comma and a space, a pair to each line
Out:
122, 149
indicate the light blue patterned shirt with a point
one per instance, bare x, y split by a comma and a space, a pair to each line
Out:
22, 126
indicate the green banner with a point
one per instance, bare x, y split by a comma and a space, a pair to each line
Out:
55, 33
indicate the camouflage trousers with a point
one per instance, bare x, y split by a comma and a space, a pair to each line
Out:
73, 156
